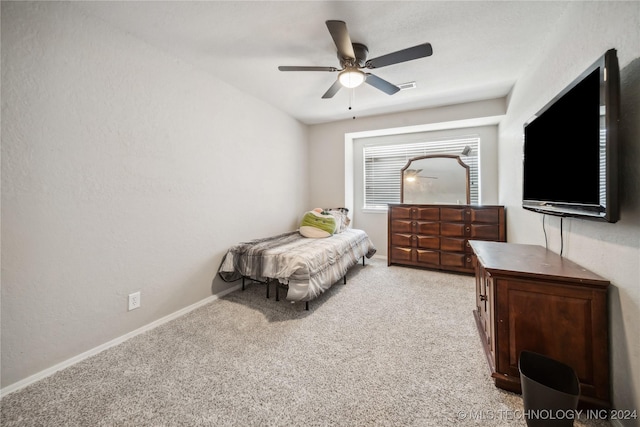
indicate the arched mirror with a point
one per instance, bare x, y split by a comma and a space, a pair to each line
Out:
436, 179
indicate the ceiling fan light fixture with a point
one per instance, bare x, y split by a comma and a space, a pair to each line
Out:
351, 77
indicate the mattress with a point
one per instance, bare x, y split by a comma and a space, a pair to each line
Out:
307, 266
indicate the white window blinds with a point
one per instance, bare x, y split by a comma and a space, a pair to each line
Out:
383, 163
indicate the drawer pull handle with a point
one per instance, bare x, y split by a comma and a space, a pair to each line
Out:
468, 228
468, 245
468, 259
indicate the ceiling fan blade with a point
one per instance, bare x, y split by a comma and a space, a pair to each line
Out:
403, 55
303, 68
383, 85
340, 35
332, 90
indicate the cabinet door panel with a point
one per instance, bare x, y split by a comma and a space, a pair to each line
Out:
490, 316
428, 257
483, 301
563, 323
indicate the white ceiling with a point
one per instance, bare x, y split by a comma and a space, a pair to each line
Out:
480, 48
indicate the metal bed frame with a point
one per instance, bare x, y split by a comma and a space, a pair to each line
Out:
278, 284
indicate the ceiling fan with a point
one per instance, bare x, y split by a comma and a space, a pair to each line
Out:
353, 57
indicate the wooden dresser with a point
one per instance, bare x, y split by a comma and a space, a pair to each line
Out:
529, 298
437, 236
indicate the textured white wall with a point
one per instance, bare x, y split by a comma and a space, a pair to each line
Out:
584, 33
123, 169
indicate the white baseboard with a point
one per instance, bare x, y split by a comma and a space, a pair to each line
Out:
62, 365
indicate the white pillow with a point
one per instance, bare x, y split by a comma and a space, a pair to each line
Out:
342, 220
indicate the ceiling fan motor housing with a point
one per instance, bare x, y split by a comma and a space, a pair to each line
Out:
361, 52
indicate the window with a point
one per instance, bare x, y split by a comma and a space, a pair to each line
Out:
383, 163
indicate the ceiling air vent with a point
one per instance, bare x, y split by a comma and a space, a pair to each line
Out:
407, 86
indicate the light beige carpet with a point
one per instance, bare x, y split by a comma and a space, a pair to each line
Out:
393, 347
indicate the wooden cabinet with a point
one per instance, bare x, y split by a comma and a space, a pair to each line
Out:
529, 298
437, 236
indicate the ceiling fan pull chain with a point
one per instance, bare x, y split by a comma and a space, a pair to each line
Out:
352, 97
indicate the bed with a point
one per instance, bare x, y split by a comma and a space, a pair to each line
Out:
305, 266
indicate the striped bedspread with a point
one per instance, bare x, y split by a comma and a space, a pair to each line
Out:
307, 266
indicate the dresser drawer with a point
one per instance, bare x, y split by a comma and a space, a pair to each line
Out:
453, 244
454, 214
415, 240
428, 257
467, 214
487, 215
415, 227
428, 242
401, 254
472, 231
454, 230
485, 232
400, 212
399, 239
422, 256
413, 212
401, 226
422, 227
452, 259
428, 213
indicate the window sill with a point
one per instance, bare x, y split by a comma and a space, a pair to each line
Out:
374, 211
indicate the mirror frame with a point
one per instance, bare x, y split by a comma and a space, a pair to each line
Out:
437, 156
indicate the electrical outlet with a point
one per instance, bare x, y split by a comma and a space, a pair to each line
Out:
134, 300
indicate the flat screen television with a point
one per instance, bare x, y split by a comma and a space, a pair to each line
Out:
570, 148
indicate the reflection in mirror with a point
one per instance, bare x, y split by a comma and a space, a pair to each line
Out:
437, 179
